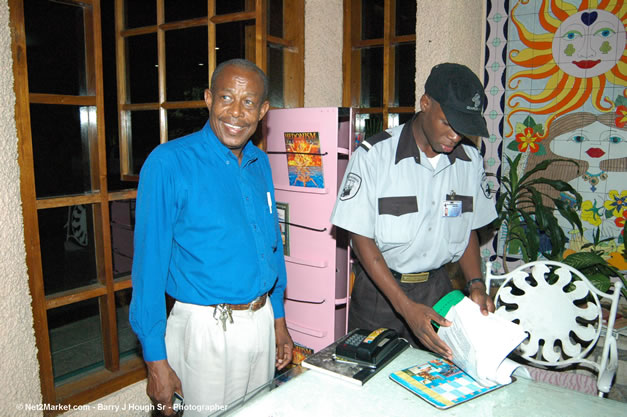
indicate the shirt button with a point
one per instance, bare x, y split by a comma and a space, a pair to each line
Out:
433, 203
429, 229
228, 162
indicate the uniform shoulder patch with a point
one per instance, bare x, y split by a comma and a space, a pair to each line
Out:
485, 186
351, 186
374, 139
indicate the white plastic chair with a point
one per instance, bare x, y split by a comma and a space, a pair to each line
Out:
560, 309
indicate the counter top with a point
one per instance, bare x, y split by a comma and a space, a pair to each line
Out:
316, 394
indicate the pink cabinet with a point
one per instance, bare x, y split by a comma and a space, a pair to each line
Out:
308, 150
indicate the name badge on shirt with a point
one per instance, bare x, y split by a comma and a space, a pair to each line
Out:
452, 208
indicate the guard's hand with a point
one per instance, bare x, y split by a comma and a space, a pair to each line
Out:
162, 383
485, 302
284, 344
419, 318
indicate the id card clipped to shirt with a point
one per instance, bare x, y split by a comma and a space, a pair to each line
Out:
451, 207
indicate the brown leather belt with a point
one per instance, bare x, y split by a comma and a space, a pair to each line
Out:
254, 305
413, 278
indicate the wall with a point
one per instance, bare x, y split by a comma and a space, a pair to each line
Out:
445, 32
323, 87
323, 53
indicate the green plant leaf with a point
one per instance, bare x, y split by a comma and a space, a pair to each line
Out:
513, 146
620, 101
583, 260
529, 122
600, 281
541, 150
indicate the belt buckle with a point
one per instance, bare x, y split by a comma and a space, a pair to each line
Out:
415, 278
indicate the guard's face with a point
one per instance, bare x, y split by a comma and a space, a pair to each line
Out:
439, 134
235, 106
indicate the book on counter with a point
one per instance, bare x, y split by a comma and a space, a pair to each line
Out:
480, 346
354, 371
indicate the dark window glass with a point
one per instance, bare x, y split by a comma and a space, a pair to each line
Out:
371, 77
66, 236
140, 13
185, 121
405, 17
144, 136
142, 68
275, 75
275, 18
75, 340
235, 40
127, 340
122, 225
372, 19
60, 149
404, 117
186, 61
405, 75
51, 69
230, 6
182, 10
367, 125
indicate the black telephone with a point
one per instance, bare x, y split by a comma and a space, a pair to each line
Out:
368, 347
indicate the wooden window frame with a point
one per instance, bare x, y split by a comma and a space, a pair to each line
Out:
256, 10
116, 374
351, 59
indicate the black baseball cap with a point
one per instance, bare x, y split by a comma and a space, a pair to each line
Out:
460, 94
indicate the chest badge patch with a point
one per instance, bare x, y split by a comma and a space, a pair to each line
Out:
485, 186
351, 187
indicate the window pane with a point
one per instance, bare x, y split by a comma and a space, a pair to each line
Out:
405, 17
230, 6
182, 10
140, 13
60, 149
142, 68
367, 125
186, 63
275, 75
371, 77
235, 40
275, 18
75, 340
52, 69
122, 225
144, 136
397, 119
66, 237
128, 344
371, 19
184, 121
405, 75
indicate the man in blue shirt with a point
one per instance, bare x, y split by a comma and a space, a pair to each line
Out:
207, 233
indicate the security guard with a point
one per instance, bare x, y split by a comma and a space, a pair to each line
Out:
412, 199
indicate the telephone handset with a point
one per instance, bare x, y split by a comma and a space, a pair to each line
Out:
367, 347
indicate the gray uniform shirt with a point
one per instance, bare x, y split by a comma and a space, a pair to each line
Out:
392, 194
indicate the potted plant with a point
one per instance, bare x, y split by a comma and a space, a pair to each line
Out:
523, 215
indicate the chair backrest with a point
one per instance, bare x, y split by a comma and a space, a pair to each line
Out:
560, 309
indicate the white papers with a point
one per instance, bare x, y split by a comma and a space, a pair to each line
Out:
480, 344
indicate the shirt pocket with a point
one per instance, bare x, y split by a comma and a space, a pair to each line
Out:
458, 228
397, 220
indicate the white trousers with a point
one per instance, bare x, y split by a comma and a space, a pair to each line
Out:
217, 367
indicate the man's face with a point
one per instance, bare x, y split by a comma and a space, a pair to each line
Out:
235, 106
439, 134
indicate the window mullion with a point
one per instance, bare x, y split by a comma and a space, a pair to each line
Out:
163, 113
388, 61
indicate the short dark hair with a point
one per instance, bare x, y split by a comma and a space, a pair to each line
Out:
245, 64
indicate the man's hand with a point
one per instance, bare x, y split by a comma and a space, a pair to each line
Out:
162, 383
284, 344
479, 296
419, 317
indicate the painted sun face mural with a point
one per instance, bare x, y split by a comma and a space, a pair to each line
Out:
579, 51
567, 98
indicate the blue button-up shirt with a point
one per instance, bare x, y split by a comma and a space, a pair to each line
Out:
206, 232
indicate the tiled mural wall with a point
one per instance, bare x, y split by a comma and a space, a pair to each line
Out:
556, 78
